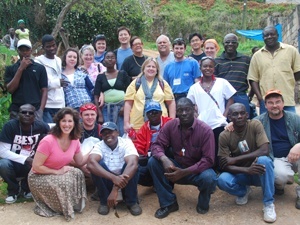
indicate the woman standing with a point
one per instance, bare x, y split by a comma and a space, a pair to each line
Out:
132, 64
77, 85
113, 83
87, 53
148, 86
210, 95
99, 44
22, 32
56, 187
211, 48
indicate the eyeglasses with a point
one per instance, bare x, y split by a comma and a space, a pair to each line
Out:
27, 113
136, 44
235, 114
153, 113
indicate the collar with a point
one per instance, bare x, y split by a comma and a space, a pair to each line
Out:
281, 46
223, 55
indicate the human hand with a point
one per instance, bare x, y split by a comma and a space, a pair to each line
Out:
167, 164
101, 100
127, 127
121, 181
25, 62
176, 175
64, 169
256, 169
64, 83
229, 127
121, 112
112, 198
294, 154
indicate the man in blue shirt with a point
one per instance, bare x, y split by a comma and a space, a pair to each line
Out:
183, 72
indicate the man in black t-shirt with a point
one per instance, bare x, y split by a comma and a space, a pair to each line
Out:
27, 82
18, 142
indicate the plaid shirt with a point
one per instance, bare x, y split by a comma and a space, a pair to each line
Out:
79, 93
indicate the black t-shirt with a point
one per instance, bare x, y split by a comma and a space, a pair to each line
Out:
33, 79
132, 65
280, 141
197, 57
95, 132
26, 140
102, 85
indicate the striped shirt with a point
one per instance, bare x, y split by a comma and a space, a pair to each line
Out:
114, 159
234, 70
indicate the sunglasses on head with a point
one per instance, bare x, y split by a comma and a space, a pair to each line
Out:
179, 41
27, 113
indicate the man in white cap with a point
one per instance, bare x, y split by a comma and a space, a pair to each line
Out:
26, 81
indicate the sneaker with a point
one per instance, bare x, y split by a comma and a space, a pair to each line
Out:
269, 213
243, 200
11, 199
27, 195
135, 209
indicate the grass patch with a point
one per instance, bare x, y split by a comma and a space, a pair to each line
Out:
3, 194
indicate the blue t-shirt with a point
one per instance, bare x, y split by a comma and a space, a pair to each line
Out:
181, 75
280, 141
122, 54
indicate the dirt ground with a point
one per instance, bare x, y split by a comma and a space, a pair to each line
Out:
223, 210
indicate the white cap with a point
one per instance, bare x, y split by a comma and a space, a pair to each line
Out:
24, 42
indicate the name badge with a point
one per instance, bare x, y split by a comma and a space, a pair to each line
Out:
177, 81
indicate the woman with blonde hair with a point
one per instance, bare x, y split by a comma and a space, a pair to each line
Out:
148, 86
211, 48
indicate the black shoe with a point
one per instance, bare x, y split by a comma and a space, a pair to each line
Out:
279, 191
135, 209
297, 203
165, 211
103, 210
201, 211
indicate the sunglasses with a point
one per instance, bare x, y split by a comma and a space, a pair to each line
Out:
27, 113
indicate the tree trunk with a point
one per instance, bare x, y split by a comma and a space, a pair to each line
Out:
61, 17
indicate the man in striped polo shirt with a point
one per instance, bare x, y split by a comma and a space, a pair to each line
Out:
233, 66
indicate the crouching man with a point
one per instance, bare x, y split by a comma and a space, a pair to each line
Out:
113, 163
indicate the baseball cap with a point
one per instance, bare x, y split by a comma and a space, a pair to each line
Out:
24, 42
273, 91
109, 125
152, 105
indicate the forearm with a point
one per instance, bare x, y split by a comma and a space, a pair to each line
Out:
171, 108
131, 169
235, 169
41, 169
229, 103
44, 98
13, 85
256, 90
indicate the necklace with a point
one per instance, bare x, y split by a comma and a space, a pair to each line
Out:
137, 62
88, 134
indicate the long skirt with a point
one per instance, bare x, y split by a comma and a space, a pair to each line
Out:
58, 194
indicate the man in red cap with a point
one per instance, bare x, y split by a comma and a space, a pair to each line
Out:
283, 131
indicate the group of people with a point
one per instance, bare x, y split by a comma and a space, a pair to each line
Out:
160, 122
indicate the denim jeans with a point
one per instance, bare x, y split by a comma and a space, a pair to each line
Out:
244, 99
10, 171
49, 114
262, 108
145, 178
205, 181
235, 184
113, 116
104, 187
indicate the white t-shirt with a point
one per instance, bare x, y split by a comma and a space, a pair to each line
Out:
115, 159
208, 110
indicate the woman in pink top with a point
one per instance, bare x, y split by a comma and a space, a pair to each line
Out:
58, 188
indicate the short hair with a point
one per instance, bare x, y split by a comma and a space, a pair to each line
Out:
178, 41
83, 49
230, 109
184, 101
123, 28
147, 61
47, 38
98, 38
64, 58
195, 34
163, 36
133, 39
56, 130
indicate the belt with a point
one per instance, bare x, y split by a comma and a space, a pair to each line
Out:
180, 95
